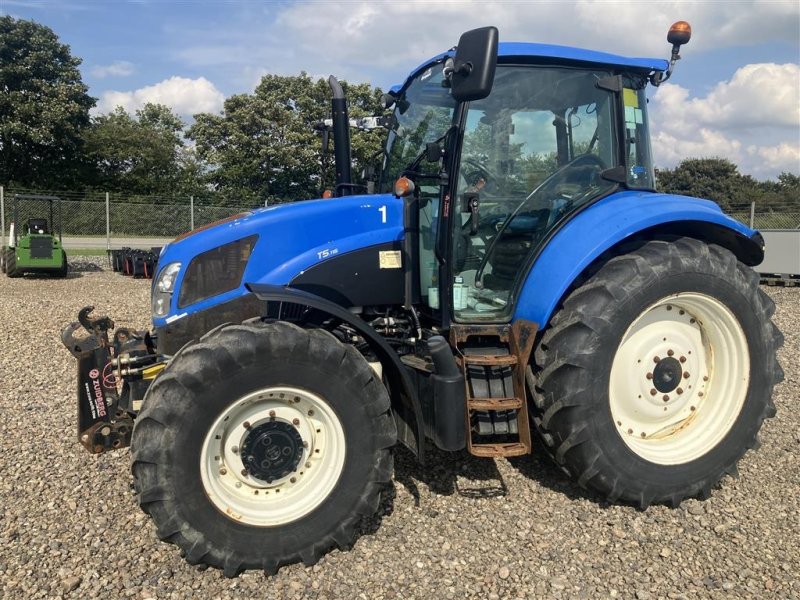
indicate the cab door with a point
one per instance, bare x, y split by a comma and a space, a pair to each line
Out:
533, 153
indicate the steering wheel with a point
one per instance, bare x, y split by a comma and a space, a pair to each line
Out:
555, 178
486, 174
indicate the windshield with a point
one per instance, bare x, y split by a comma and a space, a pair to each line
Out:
423, 113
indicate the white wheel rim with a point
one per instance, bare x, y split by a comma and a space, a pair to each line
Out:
244, 496
679, 423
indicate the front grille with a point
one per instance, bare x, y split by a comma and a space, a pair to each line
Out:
215, 271
41, 247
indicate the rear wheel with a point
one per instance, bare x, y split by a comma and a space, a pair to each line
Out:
262, 445
657, 373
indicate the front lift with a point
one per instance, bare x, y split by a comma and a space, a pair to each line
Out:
516, 273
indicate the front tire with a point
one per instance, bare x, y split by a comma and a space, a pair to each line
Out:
656, 375
262, 445
11, 265
64, 268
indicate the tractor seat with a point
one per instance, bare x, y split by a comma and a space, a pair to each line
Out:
37, 226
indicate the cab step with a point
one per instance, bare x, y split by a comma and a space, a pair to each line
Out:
493, 359
495, 450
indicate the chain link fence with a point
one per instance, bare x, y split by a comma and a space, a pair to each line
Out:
103, 220
774, 214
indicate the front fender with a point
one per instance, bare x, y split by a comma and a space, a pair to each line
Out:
614, 219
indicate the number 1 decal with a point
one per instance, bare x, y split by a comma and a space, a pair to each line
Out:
382, 210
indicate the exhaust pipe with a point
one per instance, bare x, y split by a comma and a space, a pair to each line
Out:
341, 139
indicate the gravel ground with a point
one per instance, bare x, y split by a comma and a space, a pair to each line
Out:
462, 527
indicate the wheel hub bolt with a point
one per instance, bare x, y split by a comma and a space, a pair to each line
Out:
700, 394
246, 424
649, 375
682, 359
705, 378
245, 473
308, 465
670, 353
295, 421
310, 413
656, 359
223, 471
653, 391
679, 390
686, 375
665, 398
293, 480
235, 449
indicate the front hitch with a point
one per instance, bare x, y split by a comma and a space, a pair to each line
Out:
106, 406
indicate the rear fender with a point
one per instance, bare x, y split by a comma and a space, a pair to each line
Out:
617, 218
405, 403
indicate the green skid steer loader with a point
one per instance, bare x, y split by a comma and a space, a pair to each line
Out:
37, 249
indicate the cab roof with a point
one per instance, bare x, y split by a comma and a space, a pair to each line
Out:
550, 53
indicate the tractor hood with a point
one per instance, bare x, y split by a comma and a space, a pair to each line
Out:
287, 239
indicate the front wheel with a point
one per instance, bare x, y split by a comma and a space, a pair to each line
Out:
657, 373
11, 264
262, 445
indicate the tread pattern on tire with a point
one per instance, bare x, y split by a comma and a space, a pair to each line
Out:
564, 356
11, 265
232, 347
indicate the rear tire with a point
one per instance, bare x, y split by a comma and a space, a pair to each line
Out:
683, 319
302, 395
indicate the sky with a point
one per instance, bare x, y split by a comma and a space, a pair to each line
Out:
735, 92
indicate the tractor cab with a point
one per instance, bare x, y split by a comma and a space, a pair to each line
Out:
550, 131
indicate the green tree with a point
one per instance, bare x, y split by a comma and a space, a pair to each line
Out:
263, 146
139, 154
44, 107
716, 179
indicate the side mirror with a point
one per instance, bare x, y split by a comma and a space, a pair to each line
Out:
472, 71
433, 152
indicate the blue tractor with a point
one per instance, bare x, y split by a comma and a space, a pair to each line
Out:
514, 273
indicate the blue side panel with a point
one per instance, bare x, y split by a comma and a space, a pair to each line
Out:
292, 237
594, 231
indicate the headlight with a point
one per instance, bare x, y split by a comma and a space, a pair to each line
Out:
163, 288
215, 271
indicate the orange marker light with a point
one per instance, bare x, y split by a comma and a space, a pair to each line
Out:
403, 187
680, 33
327, 194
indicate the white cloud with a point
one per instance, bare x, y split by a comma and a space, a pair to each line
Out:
776, 159
185, 96
120, 68
753, 119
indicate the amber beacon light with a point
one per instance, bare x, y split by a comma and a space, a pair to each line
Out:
679, 33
